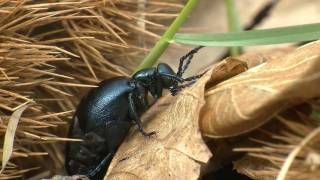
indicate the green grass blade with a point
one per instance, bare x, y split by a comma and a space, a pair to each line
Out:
233, 23
163, 43
315, 115
298, 33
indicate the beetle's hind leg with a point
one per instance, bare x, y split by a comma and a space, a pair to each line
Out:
142, 131
188, 57
106, 160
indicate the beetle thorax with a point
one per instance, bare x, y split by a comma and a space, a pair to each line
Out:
145, 76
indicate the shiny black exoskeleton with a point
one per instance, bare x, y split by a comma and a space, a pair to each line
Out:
105, 115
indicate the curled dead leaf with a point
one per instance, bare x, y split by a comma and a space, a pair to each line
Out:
225, 70
245, 102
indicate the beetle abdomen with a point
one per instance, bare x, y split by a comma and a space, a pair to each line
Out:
83, 157
106, 103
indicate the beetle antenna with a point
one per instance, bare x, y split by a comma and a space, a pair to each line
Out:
192, 78
188, 57
174, 90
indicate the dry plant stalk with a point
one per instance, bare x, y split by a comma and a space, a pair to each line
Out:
51, 50
290, 151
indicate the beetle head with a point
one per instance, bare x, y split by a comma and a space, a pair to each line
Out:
166, 74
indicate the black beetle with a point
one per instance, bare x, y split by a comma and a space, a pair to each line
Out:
106, 113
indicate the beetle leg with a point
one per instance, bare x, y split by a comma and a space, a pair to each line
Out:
159, 88
115, 132
101, 165
134, 115
144, 99
188, 57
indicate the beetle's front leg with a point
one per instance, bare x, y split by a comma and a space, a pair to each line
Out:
159, 87
135, 117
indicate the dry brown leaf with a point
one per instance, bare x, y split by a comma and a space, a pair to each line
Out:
10, 134
247, 101
177, 151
